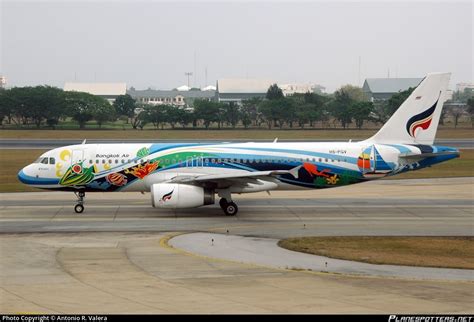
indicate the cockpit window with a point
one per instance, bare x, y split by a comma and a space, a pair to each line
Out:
52, 161
44, 161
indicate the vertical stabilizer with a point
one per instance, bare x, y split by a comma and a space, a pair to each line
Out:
416, 120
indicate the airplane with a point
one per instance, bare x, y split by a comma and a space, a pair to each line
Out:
188, 175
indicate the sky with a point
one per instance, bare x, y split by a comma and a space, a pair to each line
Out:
154, 43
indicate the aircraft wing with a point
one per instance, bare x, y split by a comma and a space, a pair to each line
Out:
230, 176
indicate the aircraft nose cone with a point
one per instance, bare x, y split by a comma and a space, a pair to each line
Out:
22, 177
27, 175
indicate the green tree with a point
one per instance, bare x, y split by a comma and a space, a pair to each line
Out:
456, 112
6, 105
395, 101
185, 116
207, 111
341, 107
286, 112
266, 109
309, 108
171, 114
355, 93
318, 105
277, 111
125, 105
303, 114
82, 107
250, 112
17, 100
274, 92
153, 114
464, 96
53, 102
103, 112
361, 112
470, 109
232, 113
35, 104
139, 118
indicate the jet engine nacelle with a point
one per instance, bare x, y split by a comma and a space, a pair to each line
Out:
174, 195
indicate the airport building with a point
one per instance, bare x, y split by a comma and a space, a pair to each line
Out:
238, 90
460, 87
241, 89
3, 82
109, 91
290, 89
381, 89
175, 97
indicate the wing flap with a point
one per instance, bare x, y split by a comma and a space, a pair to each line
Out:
232, 176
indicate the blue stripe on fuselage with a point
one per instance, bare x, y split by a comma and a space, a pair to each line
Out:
315, 154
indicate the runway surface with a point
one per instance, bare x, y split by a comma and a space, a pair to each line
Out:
467, 143
115, 257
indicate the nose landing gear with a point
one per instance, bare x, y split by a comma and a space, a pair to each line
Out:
79, 207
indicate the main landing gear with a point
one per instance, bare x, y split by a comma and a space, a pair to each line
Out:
79, 207
230, 208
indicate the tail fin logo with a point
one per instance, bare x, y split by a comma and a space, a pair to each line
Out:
422, 120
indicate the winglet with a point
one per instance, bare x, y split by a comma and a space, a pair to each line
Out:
294, 171
84, 142
276, 140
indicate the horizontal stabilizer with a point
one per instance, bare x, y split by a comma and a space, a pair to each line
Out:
426, 155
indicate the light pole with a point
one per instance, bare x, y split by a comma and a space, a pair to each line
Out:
188, 74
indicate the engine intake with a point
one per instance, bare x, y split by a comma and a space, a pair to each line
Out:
174, 195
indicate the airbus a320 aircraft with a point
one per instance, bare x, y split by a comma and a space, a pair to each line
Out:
186, 175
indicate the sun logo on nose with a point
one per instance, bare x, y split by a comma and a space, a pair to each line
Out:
65, 156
